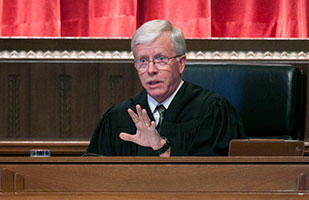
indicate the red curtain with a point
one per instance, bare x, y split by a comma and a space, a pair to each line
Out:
120, 18
98, 18
260, 18
30, 18
192, 17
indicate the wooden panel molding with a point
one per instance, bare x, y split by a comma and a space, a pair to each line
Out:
14, 105
154, 178
127, 55
56, 148
11, 181
154, 174
228, 49
65, 106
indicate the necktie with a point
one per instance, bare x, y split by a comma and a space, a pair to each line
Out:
161, 109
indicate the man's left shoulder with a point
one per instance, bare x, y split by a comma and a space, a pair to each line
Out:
203, 95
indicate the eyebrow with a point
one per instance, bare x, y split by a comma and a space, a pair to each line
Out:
155, 56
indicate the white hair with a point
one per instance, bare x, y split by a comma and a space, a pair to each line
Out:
153, 29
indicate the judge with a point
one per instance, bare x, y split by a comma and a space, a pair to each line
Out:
170, 116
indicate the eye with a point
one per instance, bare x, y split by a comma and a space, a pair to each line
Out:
143, 60
160, 58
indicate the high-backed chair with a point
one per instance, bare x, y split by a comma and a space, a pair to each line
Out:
271, 99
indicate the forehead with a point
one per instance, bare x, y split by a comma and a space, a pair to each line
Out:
161, 45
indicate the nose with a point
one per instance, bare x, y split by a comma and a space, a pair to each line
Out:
152, 69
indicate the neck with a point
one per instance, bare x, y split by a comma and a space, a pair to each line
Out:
169, 97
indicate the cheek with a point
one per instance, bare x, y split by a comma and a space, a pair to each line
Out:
172, 75
142, 78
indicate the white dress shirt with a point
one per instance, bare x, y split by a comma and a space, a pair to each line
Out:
153, 103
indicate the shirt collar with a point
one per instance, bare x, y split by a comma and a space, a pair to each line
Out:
153, 103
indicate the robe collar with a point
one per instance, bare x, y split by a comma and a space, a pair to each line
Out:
153, 103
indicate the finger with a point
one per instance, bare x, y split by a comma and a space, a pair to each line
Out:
148, 124
133, 116
139, 112
153, 125
146, 118
127, 137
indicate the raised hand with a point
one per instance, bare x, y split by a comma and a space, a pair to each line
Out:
146, 134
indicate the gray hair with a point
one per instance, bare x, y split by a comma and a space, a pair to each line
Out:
153, 29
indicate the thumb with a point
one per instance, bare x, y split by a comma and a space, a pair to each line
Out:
127, 137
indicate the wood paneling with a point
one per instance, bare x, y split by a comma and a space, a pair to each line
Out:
59, 87
60, 99
22, 147
150, 178
14, 103
153, 196
154, 175
61, 147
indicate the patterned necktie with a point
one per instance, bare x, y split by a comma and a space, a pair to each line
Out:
161, 109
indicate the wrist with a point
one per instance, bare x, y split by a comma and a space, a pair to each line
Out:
163, 147
159, 145
167, 153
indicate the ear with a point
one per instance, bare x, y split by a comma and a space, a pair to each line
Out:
182, 63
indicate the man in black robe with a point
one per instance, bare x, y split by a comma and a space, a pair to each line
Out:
193, 122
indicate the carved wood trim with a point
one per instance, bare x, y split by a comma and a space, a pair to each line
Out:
14, 105
65, 106
23, 148
214, 49
11, 181
127, 55
116, 86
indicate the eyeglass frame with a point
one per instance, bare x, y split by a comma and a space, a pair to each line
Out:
154, 62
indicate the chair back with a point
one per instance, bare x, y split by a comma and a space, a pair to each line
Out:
271, 99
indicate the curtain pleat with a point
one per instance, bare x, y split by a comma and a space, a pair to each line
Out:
115, 18
98, 18
30, 18
74, 18
120, 18
260, 18
192, 17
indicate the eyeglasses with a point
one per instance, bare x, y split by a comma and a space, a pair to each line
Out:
161, 62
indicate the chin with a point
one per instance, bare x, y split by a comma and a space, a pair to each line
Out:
156, 95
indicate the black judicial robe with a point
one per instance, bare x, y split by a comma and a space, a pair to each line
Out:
198, 122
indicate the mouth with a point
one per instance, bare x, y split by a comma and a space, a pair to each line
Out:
153, 83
